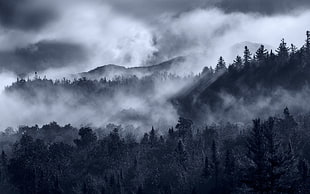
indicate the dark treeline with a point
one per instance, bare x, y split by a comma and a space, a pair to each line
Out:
269, 156
250, 78
86, 87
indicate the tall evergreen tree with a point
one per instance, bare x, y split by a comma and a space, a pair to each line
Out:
229, 172
238, 62
221, 65
87, 137
256, 173
273, 169
308, 42
293, 50
181, 154
261, 54
153, 137
215, 161
247, 56
206, 170
282, 51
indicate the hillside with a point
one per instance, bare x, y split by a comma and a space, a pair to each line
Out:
268, 82
110, 71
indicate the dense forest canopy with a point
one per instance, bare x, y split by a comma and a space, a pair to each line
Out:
269, 156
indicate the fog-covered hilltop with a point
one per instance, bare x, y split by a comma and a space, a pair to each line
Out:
254, 85
128, 99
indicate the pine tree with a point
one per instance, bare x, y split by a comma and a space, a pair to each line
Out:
293, 50
87, 137
238, 62
181, 154
145, 139
282, 51
215, 161
153, 137
306, 51
304, 173
229, 172
184, 127
221, 65
256, 174
274, 158
229, 164
274, 169
247, 56
308, 42
261, 54
206, 170
288, 124
3, 167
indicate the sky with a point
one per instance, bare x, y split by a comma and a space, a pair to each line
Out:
59, 38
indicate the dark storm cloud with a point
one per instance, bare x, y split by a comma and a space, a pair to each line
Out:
24, 14
148, 9
263, 6
41, 56
122, 32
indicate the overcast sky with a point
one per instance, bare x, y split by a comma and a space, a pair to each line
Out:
40, 35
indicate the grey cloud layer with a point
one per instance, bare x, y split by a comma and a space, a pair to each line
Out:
135, 32
147, 9
41, 56
24, 15
263, 6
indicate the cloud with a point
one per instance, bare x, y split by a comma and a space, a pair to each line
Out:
206, 34
24, 14
151, 9
141, 32
269, 7
41, 56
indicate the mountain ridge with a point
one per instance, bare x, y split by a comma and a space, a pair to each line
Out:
112, 70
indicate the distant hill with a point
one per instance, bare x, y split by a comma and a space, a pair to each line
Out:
111, 71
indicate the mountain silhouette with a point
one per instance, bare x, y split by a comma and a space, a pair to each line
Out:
110, 71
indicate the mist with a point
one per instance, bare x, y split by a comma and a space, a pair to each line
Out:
102, 32
110, 35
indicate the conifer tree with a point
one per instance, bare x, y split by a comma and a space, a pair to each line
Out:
153, 137
304, 173
293, 50
206, 170
229, 172
221, 65
181, 154
215, 161
238, 62
247, 56
308, 42
282, 51
261, 54
256, 173
145, 139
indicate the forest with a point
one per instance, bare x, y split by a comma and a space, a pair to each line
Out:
269, 156
268, 153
